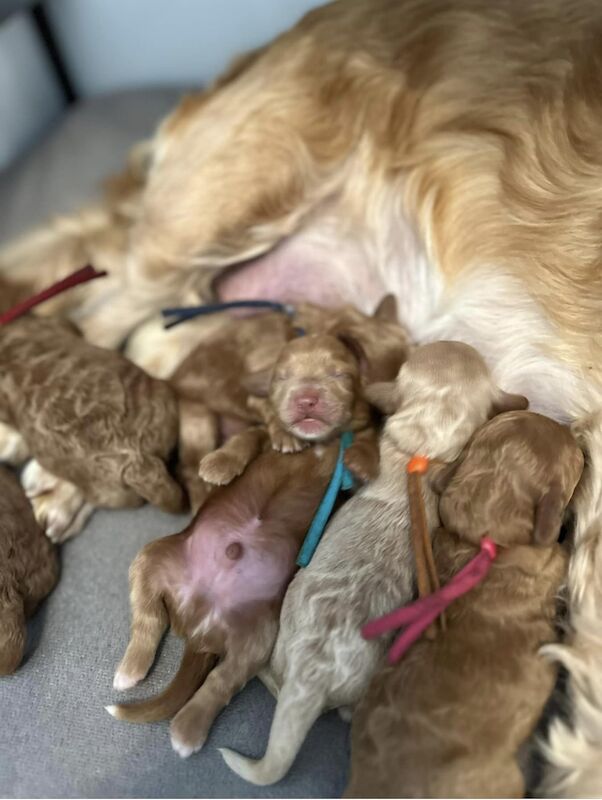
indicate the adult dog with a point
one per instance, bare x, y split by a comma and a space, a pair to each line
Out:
448, 151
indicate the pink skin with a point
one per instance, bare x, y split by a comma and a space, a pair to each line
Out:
299, 269
235, 565
308, 412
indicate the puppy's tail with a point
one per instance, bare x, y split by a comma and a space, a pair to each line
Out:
12, 630
148, 476
193, 670
295, 714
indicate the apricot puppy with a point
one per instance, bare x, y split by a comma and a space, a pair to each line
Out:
450, 718
29, 569
88, 415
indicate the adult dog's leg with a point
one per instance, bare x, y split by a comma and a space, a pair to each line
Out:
574, 746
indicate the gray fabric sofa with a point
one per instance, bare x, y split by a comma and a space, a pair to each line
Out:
56, 739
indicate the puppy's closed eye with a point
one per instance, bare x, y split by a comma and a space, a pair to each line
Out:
339, 374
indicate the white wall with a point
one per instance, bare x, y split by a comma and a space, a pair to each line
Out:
30, 97
114, 44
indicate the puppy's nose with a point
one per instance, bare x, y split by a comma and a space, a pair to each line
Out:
307, 400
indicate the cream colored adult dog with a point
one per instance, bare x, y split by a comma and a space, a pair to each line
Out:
448, 151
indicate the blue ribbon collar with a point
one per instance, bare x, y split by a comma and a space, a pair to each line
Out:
341, 479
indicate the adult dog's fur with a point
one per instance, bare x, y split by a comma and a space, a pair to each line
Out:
445, 150
29, 569
574, 743
363, 566
88, 415
449, 720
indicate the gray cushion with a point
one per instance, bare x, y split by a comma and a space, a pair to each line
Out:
55, 737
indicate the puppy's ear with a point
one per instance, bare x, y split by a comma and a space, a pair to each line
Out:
386, 310
384, 396
353, 345
548, 517
379, 354
258, 383
508, 402
439, 476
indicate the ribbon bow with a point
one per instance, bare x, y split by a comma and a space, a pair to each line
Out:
418, 616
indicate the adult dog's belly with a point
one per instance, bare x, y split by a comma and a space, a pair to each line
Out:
486, 308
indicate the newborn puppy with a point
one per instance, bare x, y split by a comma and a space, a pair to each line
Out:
449, 719
29, 569
363, 566
220, 582
312, 393
211, 391
88, 415
309, 384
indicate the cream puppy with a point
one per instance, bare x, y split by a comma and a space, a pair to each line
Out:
363, 567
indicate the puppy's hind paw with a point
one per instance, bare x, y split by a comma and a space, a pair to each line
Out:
13, 449
36, 481
188, 733
220, 468
183, 750
62, 511
124, 680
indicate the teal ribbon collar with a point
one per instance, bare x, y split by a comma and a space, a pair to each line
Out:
341, 479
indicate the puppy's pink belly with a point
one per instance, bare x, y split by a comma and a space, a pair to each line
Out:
238, 568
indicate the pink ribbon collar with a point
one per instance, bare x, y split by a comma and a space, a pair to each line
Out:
418, 616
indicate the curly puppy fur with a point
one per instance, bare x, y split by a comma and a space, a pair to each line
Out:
29, 569
220, 582
214, 382
88, 415
444, 150
449, 720
363, 566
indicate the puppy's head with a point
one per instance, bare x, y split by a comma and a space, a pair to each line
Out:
379, 341
313, 386
442, 394
513, 482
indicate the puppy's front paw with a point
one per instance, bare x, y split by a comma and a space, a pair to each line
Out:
285, 442
187, 733
219, 468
